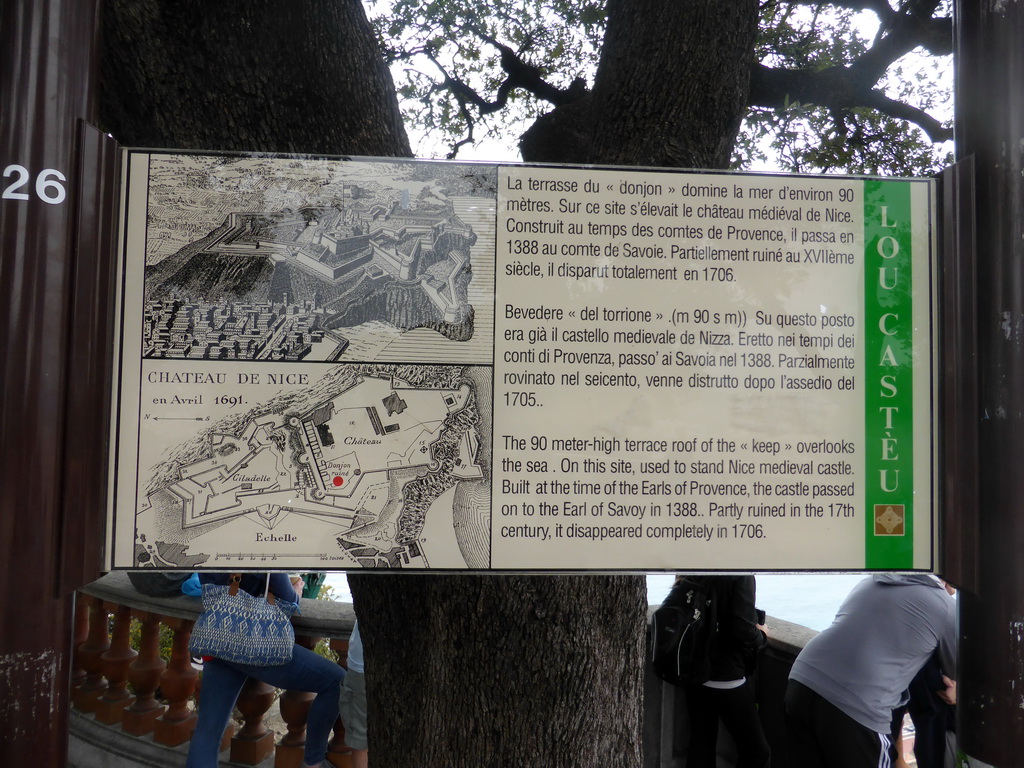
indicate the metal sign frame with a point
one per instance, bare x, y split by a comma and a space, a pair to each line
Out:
341, 364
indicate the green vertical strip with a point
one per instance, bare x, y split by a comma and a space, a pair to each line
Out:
888, 374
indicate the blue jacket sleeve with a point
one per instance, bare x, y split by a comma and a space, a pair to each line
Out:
281, 585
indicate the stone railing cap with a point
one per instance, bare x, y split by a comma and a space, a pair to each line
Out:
783, 636
318, 618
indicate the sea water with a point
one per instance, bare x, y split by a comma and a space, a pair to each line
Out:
808, 599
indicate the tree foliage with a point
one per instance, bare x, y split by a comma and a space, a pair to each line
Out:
468, 70
856, 86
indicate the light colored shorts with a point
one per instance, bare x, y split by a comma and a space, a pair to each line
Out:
353, 709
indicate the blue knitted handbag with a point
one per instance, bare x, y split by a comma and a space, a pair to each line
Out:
239, 627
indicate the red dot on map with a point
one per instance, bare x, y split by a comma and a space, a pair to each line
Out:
339, 480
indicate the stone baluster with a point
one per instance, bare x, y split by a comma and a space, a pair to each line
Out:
144, 675
89, 653
254, 742
294, 706
338, 753
78, 673
178, 684
105, 667
115, 662
340, 647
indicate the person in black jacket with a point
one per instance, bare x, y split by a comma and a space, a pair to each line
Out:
729, 693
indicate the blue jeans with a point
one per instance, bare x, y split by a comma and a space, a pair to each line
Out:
222, 681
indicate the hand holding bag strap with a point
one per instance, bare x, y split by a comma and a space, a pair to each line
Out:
236, 579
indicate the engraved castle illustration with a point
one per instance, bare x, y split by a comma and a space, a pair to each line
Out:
346, 471
273, 286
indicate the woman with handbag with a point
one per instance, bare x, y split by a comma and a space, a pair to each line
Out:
245, 631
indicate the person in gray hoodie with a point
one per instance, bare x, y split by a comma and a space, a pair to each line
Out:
847, 681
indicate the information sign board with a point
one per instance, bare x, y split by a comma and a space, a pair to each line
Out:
344, 364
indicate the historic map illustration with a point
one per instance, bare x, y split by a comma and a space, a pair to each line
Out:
305, 350
370, 466
286, 259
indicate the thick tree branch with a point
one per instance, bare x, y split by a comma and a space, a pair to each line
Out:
841, 89
880, 8
836, 88
900, 31
901, 111
936, 36
901, 34
520, 74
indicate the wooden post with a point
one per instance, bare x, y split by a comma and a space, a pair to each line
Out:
47, 79
990, 128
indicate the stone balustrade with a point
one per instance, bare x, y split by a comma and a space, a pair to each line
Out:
117, 717
118, 721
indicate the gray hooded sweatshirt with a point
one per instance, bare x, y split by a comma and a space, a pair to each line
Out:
884, 632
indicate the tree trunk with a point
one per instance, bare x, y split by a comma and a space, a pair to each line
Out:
503, 670
462, 670
547, 670
671, 87
258, 76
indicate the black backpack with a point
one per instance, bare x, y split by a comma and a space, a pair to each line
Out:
682, 631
